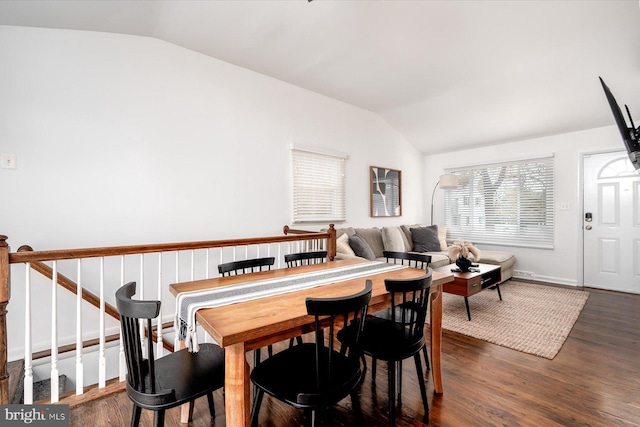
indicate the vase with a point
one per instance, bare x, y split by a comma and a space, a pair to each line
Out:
463, 263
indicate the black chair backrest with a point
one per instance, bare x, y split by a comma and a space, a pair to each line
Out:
348, 310
305, 258
411, 259
413, 296
140, 371
246, 266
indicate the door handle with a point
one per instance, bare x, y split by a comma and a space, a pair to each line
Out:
588, 227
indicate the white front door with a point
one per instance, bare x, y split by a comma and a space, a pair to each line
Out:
611, 222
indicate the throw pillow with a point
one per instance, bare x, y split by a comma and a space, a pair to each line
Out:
407, 233
342, 245
373, 237
425, 239
442, 236
392, 239
361, 248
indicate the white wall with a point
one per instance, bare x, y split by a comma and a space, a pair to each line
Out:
124, 139
130, 140
563, 263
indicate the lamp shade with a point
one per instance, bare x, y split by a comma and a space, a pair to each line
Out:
448, 181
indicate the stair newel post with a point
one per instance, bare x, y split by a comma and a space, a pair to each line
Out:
331, 244
5, 295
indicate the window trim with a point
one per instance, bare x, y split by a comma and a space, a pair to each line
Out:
539, 235
331, 202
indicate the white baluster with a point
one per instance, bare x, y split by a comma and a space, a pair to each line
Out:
159, 348
79, 365
102, 362
206, 269
54, 335
176, 341
122, 361
28, 365
192, 263
141, 293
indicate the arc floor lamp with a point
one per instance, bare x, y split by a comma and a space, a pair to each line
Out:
447, 181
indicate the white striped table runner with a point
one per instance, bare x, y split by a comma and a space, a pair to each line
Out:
187, 303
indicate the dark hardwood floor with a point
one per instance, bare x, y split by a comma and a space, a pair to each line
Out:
593, 381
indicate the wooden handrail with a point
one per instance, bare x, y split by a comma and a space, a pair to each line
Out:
56, 255
331, 239
70, 285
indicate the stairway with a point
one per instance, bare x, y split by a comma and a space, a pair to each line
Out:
41, 389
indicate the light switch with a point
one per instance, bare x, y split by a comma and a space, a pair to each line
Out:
8, 161
564, 206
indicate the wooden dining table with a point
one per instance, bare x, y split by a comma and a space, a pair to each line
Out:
247, 325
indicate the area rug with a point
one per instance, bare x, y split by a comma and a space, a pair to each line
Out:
534, 319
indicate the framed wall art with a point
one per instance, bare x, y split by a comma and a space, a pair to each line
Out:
386, 192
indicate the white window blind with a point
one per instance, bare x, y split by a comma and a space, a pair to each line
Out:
504, 203
318, 186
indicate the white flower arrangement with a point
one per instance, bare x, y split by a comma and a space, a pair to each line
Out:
460, 248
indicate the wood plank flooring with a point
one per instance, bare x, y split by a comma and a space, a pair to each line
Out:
593, 381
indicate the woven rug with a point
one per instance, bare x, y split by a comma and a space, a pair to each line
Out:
534, 319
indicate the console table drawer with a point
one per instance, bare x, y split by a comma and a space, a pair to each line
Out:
465, 287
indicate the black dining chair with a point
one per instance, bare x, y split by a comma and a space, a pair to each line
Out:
171, 380
410, 259
246, 266
305, 258
315, 375
396, 339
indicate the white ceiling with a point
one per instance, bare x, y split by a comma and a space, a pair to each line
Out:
446, 74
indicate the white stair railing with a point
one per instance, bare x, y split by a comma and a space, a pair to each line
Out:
105, 363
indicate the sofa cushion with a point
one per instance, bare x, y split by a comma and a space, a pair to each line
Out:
407, 232
342, 245
438, 259
373, 237
361, 248
393, 239
442, 236
349, 231
425, 239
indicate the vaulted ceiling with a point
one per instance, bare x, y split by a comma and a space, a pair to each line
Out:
447, 75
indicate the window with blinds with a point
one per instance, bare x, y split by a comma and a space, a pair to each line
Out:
504, 203
318, 186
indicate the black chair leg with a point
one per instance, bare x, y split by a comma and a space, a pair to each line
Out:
357, 409
256, 357
135, 416
373, 370
426, 358
399, 380
158, 419
191, 405
255, 411
270, 350
423, 388
391, 368
212, 408
298, 340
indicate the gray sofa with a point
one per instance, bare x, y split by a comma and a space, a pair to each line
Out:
399, 239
